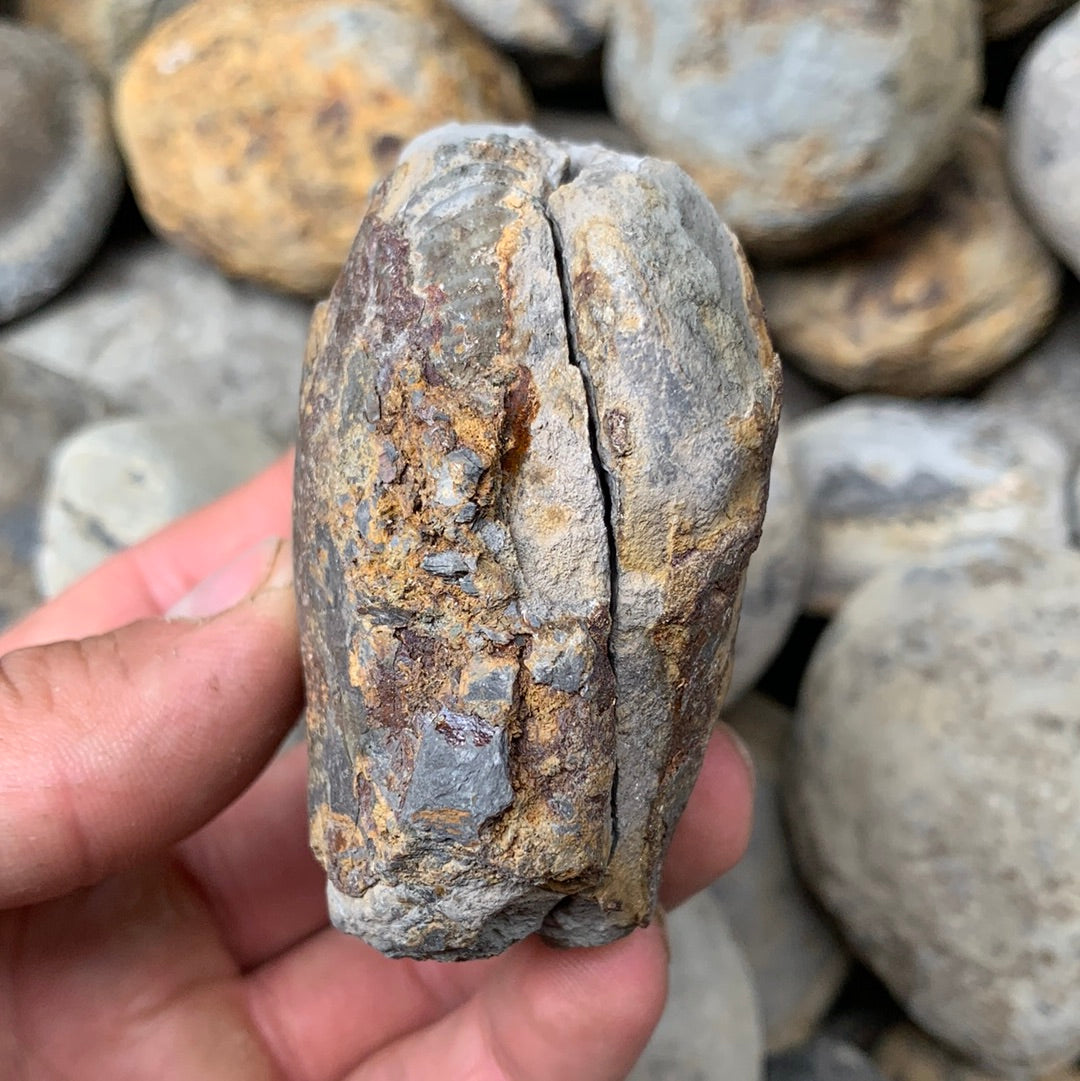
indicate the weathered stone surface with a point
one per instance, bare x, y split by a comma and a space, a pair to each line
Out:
103, 32
161, 333
1003, 18
255, 130
37, 408
60, 181
114, 483
711, 1027
798, 964
907, 1054
509, 502
805, 123
776, 577
889, 480
933, 305
1042, 116
823, 1060
935, 788
552, 27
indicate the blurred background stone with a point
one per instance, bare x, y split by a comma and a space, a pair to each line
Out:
1003, 18
823, 1059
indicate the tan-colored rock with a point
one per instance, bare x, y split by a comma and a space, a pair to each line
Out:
933, 305
254, 131
1003, 18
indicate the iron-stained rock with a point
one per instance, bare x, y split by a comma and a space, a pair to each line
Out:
536, 424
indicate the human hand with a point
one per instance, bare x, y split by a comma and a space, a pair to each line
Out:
160, 915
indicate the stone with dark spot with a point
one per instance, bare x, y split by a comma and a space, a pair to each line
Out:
508, 707
934, 787
888, 479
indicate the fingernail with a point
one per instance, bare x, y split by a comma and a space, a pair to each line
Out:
744, 752
266, 565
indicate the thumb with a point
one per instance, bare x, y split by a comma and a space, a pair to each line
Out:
119, 745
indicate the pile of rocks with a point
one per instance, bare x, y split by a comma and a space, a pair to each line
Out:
918, 792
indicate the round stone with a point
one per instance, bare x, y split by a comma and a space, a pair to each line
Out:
805, 123
1003, 18
103, 32
114, 483
1042, 115
551, 27
158, 332
934, 792
712, 1013
932, 305
775, 579
888, 480
255, 130
823, 1059
61, 180
797, 962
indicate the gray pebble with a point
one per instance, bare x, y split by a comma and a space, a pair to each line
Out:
114, 483
934, 792
823, 1060
161, 333
61, 180
548, 27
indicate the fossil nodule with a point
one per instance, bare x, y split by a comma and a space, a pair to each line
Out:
536, 422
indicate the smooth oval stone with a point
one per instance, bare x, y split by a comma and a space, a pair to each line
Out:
797, 154
114, 483
776, 578
711, 1027
934, 788
1003, 18
932, 305
551, 27
1042, 116
160, 333
797, 961
823, 1059
254, 131
60, 181
888, 480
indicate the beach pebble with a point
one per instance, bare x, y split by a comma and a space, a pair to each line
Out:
161, 333
60, 177
805, 123
932, 305
1003, 18
551, 27
1042, 114
934, 790
711, 1027
254, 131
776, 577
114, 483
823, 1059
797, 961
888, 480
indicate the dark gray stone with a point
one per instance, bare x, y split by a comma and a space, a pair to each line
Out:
823, 1060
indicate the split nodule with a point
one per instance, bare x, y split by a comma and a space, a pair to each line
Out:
536, 424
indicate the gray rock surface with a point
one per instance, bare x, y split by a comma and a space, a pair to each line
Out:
114, 483
161, 333
554, 27
563, 430
888, 480
711, 1029
1042, 115
805, 123
797, 961
823, 1060
934, 791
776, 577
61, 180
37, 409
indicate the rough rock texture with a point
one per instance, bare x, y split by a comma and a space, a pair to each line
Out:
711, 1027
37, 408
823, 1060
776, 577
887, 480
114, 483
1003, 18
255, 130
936, 303
804, 122
554, 27
103, 32
797, 961
1042, 116
160, 333
935, 790
532, 466
60, 181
